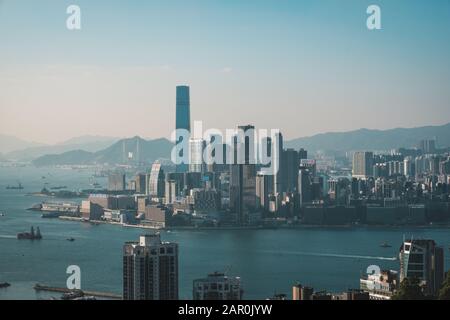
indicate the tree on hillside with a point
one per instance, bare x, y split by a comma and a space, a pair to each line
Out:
409, 290
444, 293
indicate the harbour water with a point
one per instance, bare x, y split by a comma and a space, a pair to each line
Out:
268, 261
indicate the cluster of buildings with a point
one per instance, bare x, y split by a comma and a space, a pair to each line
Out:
150, 272
405, 186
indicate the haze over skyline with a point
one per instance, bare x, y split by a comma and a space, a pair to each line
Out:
305, 67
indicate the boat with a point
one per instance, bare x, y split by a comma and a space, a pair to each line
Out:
30, 235
58, 188
18, 187
2, 214
385, 245
70, 239
49, 215
72, 295
4, 285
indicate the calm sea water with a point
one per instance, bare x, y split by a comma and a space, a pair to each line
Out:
268, 261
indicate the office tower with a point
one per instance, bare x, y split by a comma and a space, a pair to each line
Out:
205, 201
428, 146
171, 191
302, 154
217, 286
409, 167
362, 164
150, 269
196, 147
192, 180
246, 145
304, 186
243, 175
243, 191
140, 185
264, 185
156, 186
279, 176
290, 167
183, 120
424, 260
116, 182
300, 292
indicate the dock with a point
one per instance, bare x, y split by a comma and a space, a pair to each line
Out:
108, 295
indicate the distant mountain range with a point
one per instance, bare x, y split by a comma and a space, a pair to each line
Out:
86, 143
97, 149
133, 150
10, 143
366, 139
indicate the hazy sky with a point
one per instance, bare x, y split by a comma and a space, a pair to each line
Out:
304, 67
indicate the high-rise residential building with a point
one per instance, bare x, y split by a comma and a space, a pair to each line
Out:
140, 186
217, 286
155, 185
304, 186
300, 292
150, 269
183, 121
196, 148
171, 191
116, 182
362, 164
424, 260
428, 146
380, 286
264, 185
290, 165
243, 175
302, 154
279, 175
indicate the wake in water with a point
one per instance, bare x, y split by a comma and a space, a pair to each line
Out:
332, 255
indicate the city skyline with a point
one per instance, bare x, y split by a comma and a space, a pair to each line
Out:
395, 77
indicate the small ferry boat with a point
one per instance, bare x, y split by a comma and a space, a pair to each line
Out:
18, 187
30, 235
385, 245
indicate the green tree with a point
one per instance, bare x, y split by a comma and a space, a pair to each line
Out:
444, 293
409, 290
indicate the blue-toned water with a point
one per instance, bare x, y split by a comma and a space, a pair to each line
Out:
268, 261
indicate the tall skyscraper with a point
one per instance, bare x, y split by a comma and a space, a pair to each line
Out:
264, 185
290, 165
116, 182
424, 260
171, 191
196, 163
302, 154
156, 181
183, 112
217, 286
428, 146
362, 164
140, 183
183, 121
150, 269
243, 176
304, 186
279, 176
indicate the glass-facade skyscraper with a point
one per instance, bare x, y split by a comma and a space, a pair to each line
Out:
183, 120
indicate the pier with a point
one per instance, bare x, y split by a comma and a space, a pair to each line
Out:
108, 295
